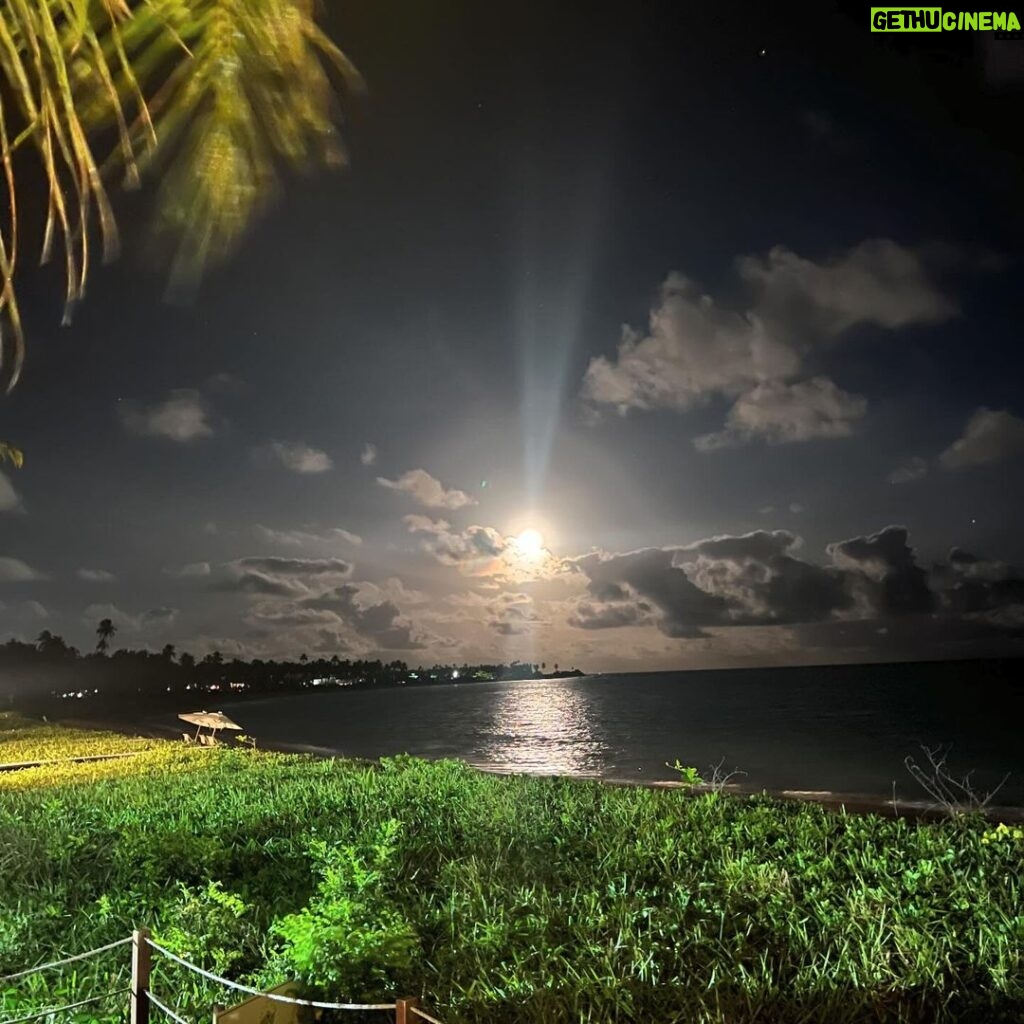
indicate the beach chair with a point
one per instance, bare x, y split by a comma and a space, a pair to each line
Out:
187, 737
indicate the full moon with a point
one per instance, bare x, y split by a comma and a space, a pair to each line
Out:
530, 544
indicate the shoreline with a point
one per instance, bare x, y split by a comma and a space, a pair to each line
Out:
843, 802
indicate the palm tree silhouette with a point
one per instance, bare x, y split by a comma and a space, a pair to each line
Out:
105, 630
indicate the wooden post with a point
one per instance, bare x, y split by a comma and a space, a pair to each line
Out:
140, 976
402, 1008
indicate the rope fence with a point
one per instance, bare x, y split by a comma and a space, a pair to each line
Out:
66, 960
423, 1015
267, 995
69, 1006
406, 1010
177, 1018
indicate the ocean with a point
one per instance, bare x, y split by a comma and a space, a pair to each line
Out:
842, 729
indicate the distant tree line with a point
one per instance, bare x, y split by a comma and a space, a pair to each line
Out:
51, 670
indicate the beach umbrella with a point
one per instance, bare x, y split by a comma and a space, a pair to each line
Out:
213, 720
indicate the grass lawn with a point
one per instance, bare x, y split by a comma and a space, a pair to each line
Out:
495, 898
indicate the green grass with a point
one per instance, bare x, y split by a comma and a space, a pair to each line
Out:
502, 899
23, 740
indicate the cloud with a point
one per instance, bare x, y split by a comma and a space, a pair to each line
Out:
426, 490
380, 622
300, 538
512, 614
96, 576
696, 348
14, 570
913, 469
368, 456
475, 550
693, 348
182, 417
259, 584
877, 282
897, 584
782, 413
303, 567
9, 499
976, 586
153, 620
611, 614
157, 618
281, 577
645, 585
753, 579
296, 456
193, 570
990, 436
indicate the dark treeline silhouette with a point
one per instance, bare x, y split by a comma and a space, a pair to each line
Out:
50, 672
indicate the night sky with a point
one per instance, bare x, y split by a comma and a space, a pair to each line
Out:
721, 302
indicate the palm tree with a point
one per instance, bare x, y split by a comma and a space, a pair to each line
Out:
214, 96
168, 652
105, 630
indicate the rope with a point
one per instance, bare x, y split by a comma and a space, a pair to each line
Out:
69, 960
267, 995
426, 1016
61, 1009
166, 1009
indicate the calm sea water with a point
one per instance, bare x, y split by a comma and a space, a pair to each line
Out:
844, 729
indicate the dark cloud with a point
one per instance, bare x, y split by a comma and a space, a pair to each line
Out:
611, 614
892, 582
652, 575
381, 622
157, 617
301, 567
756, 580
512, 614
259, 584
975, 585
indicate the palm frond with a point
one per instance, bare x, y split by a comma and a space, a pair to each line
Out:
214, 96
8, 453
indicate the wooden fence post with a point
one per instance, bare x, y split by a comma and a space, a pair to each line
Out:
140, 976
402, 1008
